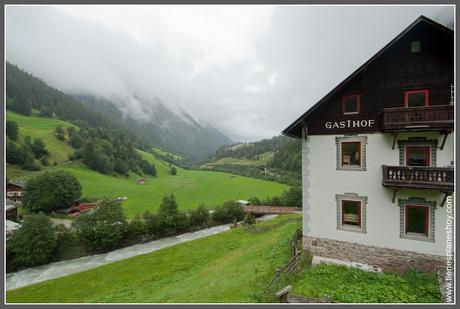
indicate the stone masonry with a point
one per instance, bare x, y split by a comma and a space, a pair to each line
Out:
387, 259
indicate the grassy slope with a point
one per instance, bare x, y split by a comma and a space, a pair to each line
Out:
228, 267
37, 127
263, 159
165, 153
190, 187
351, 285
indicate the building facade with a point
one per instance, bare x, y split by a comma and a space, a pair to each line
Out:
14, 191
378, 156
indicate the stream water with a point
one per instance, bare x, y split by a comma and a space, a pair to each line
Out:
63, 268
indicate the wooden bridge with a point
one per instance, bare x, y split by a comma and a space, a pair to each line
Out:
265, 210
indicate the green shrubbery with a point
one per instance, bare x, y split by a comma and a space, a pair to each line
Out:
228, 212
50, 191
200, 217
249, 219
34, 243
12, 130
290, 198
104, 228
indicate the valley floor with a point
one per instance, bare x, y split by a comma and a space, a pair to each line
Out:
233, 266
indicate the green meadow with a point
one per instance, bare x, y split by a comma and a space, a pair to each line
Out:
231, 267
38, 127
191, 187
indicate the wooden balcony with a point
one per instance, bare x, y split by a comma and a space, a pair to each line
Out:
419, 177
425, 118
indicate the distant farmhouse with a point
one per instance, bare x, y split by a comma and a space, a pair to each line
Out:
14, 191
377, 156
141, 181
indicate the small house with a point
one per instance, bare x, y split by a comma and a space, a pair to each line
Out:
14, 191
141, 181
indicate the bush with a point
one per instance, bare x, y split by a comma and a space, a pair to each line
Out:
137, 227
255, 201
104, 229
170, 217
65, 239
155, 223
34, 243
60, 134
39, 148
20, 155
173, 171
50, 191
200, 217
249, 219
292, 197
182, 223
147, 168
75, 139
228, 212
12, 130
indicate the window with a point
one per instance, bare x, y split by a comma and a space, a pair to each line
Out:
351, 152
417, 151
351, 212
351, 104
418, 155
417, 220
415, 98
415, 46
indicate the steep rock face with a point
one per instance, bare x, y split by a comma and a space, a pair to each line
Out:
153, 122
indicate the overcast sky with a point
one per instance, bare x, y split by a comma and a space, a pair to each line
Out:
247, 70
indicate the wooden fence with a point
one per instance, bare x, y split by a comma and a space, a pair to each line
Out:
293, 262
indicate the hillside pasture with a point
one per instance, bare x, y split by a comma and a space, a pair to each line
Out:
39, 127
190, 187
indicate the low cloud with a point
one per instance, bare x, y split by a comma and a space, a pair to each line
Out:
247, 70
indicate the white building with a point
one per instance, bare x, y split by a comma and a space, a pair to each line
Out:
378, 155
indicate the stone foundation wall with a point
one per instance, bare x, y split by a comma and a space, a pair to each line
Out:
387, 259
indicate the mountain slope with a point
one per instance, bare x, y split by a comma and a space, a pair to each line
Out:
190, 187
174, 132
278, 158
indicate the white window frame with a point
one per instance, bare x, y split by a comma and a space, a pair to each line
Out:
351, 139
351, 197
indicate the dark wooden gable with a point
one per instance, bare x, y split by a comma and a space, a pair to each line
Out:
382, 81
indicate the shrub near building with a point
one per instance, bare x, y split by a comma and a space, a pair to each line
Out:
104, 229
34, 243
50, 191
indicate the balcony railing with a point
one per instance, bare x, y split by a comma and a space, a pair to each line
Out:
420, 177
424, 118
